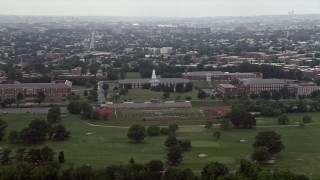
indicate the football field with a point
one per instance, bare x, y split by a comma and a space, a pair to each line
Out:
158, 113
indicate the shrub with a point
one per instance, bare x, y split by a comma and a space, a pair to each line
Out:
153, 130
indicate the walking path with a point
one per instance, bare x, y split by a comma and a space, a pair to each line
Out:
199, 126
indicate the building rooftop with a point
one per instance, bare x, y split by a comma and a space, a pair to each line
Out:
34, 85
227, 85
262, 81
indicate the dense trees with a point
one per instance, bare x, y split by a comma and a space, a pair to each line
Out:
39, 164
84, 109
36, 132
242, 119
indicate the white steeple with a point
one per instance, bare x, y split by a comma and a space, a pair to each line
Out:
153, 74
154, 81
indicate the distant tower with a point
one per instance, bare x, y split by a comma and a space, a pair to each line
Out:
208, 77
154, 81
153, 74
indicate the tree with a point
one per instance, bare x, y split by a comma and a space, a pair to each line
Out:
60, 133
188, 87
40, 97
202, 95
47, 154
164, 131
166, 96
283, 119
171, 141
225, 124
185, 144
174, 155
93, 68
3, 126
261, 154
105, 86
74, 107
61, 157
36, 132
214, 170
173, 128
242, 119
269, 139
5, 158
155, 166
254, 96
265, 95
208, 125
137, 133
95, 115
85, 93
247, 169
153, 130
20, 154
53, 115
178, 174
19, 97
86, 110
13, 136
307, 119
180, 87
216, 134
276, 95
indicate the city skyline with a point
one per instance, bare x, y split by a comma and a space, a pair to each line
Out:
157, 8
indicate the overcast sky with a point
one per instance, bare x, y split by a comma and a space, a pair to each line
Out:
158, 8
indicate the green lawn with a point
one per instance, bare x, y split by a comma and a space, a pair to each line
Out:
133, 75
146, 95
157, 113
201, 84
101, 146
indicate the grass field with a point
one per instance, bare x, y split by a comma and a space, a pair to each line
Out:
157, 113
201, 84
133, 75
101, 146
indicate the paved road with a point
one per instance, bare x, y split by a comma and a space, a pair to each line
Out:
37, 110
101, 97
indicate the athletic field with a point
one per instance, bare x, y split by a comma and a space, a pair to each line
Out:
167, 113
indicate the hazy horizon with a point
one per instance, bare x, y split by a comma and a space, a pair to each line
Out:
158, 8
